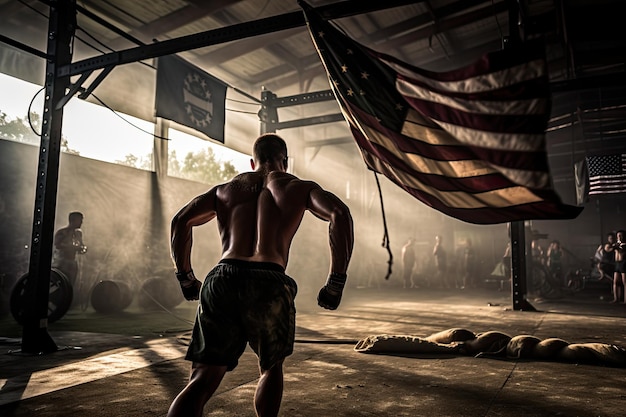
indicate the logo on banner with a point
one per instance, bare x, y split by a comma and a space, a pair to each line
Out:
198, 100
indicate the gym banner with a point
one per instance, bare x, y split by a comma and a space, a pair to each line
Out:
469, 142
187, 95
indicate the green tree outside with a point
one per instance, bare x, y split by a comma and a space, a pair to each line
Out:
19, 130
202, 166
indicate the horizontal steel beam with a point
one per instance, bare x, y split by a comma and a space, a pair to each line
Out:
225, 34
329, 142
299, 99
23, 47
108, 25
589, 83
308, 121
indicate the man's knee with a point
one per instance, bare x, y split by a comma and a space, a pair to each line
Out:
206, 374
276, 367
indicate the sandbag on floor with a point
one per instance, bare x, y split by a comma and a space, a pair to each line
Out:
496, 344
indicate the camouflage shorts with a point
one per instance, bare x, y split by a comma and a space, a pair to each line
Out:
244, 302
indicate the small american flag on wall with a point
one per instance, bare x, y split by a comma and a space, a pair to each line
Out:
607, 174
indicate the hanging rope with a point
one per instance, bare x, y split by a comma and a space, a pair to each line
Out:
385, 242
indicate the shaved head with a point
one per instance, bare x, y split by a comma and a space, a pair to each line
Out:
268, 148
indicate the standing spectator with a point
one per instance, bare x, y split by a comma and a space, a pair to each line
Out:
68, 242
408, 263
555, 261
441, 264
619, 276
469, 265
606, 260
537, 252
506, 260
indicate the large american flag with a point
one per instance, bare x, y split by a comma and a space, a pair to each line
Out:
607, 174
469, 143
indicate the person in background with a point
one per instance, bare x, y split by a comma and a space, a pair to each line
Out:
441, 263
469, 265
247, 298
619, 276
555, 261
68, 242
537, 252
408, 263
508, 267
606, 261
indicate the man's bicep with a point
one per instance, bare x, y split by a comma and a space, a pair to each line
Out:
323, 203
199, 210
58, 241
60, 238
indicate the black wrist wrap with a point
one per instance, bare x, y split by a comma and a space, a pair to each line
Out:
186, 279
336, 281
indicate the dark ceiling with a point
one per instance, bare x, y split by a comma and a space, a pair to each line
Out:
263, 44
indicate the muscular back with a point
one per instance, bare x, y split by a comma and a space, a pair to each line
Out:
258, 215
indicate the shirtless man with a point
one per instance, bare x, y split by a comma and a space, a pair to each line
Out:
469, 265
439, 253
619, 276
68, 241
247, 298
408, 263
606, 263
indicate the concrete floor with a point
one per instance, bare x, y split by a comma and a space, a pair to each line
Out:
105, 372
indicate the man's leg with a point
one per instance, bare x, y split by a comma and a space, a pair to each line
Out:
203, 382
405, 277
444, 281
269, 391
616, 284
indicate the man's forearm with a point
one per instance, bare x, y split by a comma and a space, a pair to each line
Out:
181, 239
341, 237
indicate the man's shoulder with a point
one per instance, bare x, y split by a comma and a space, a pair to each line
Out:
242, 177
63, 230
279, 175
254, 176
290, 179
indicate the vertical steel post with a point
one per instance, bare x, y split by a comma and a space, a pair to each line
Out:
518, 234
61, 28
268, 115
519, 267
160, 148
